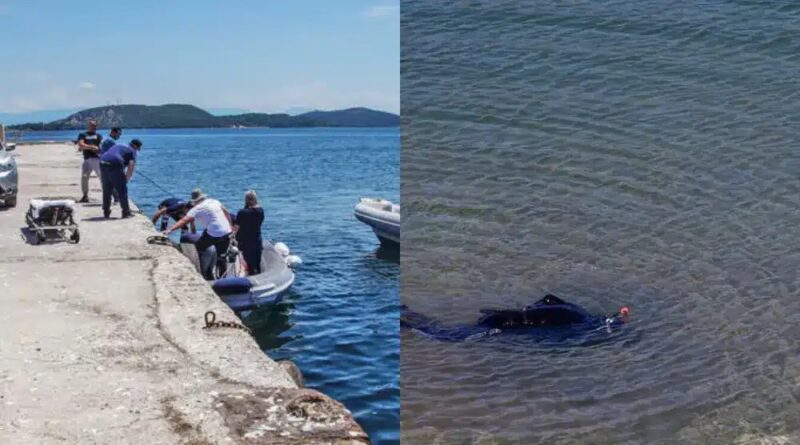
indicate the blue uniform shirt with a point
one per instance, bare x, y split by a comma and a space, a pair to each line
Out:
106, 144
119, 155
176, 208
172, 204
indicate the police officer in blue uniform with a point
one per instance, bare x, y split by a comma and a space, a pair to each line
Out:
117, 165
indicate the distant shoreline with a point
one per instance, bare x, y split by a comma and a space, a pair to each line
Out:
171, 116
24, 131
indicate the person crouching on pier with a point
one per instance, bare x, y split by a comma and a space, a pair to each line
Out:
174, 208
113, 165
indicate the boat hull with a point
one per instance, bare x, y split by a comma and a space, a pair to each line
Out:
385, 223
251, 300
247, 292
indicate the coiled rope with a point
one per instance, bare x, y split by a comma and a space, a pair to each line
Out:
159, 239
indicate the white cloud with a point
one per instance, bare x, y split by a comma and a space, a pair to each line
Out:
380, 12
86, 86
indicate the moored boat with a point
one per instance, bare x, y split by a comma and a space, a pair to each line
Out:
382, 216
244, 292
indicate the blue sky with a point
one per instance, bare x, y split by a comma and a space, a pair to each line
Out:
259, 55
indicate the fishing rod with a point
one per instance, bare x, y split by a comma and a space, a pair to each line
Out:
164, 216
172, 195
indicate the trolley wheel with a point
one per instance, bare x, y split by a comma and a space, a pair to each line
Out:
76, 236
40, 237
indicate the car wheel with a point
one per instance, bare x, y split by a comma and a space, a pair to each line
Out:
11, 202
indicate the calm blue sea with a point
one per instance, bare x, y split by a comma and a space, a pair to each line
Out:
340, 322
640, 153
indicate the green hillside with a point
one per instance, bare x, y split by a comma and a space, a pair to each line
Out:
190, 116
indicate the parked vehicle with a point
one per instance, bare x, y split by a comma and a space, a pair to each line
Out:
8, 174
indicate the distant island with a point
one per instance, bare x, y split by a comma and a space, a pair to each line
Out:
190, 116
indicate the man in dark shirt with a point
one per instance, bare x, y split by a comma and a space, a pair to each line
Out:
114, 176
174, 208
89, 143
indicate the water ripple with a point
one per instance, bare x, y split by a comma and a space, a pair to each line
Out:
637, 153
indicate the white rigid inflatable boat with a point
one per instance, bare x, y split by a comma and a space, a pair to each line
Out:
244, 292
382, 216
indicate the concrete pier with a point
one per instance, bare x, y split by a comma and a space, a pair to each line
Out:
101, 342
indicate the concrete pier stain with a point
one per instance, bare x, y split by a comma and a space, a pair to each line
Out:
281, 416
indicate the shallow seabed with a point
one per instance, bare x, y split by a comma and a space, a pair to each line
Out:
614, 153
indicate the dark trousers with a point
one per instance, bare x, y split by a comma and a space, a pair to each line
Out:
220, 242
252, 256
113, 178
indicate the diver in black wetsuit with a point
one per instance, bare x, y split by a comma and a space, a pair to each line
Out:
549, 312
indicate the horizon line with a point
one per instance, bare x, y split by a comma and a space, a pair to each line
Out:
206, 109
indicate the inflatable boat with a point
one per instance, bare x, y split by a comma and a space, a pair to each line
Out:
238, 290
382, 216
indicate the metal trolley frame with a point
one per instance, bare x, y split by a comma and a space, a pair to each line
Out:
53, 220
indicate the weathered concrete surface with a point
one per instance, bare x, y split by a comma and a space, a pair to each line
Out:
102, 342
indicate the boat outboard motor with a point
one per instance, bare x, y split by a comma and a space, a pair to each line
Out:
233, 253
